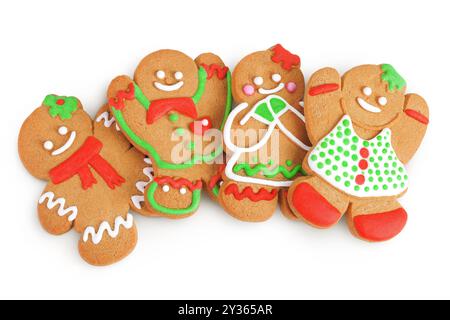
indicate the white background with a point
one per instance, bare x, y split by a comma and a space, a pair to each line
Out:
77, 47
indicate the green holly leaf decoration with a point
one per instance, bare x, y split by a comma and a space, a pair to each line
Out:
64, 107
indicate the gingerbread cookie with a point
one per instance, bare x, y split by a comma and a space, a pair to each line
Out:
364, 129
139, 166
265, 134
167, 112
89, 181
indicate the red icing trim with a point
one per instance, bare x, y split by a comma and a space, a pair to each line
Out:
179, 183
119, 101
380, 226
247, 193
287, 59
313, 207
322, 89
79, 162
217, 177
417, 116
215, 69
160, 108
198, 124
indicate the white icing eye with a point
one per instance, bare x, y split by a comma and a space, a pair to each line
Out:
276, 77
166, 188
258, 81
205, 122
179, 75
382, 101
183, 191
63, 131
48, 145
161, 75
367, 91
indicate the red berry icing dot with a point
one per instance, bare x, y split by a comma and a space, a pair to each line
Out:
364, 153
60, 102
360, 179
363, 164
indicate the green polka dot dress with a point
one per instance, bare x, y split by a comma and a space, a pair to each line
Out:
361, 168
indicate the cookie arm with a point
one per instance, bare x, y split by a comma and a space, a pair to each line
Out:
409, 130
323, 103
217, 99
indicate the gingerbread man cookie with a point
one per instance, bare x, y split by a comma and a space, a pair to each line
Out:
364, 129
265, 134
167, 112
89, 181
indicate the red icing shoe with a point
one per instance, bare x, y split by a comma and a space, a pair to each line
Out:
313, 207
381, 226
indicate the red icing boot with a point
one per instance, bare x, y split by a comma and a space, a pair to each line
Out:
313, 207
381, 226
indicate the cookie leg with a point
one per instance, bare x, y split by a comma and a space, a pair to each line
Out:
316, 202
248, 202
104, 243
284, 206
376, 220
173, 197
55, 214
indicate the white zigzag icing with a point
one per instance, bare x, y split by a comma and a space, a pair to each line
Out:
141, 185
108, 120
105, 226
61, 202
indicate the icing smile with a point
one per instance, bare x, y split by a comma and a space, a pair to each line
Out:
271, 91
169, 88
367, 106
66, 146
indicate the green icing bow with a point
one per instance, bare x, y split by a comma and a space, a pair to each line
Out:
64, 107
392, 77
277, 105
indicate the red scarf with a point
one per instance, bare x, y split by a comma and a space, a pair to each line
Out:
160, 108
79, 162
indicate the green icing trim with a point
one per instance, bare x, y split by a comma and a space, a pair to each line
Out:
64, 107
140, 96
118, 115
196, 195
229, 101
392, 77
253, 171
216, 191
149, 149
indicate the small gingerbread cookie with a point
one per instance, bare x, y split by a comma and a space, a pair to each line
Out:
265, 134
364, 129
168, 112
89, 181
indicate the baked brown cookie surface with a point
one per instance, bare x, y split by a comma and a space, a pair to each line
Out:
168, 112
364, 128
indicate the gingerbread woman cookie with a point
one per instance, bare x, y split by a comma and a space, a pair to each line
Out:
364, 129
89, 181
167, 112
265, 134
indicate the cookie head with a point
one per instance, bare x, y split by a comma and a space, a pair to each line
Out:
52, 133
373, 95
272, 72
167, 74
